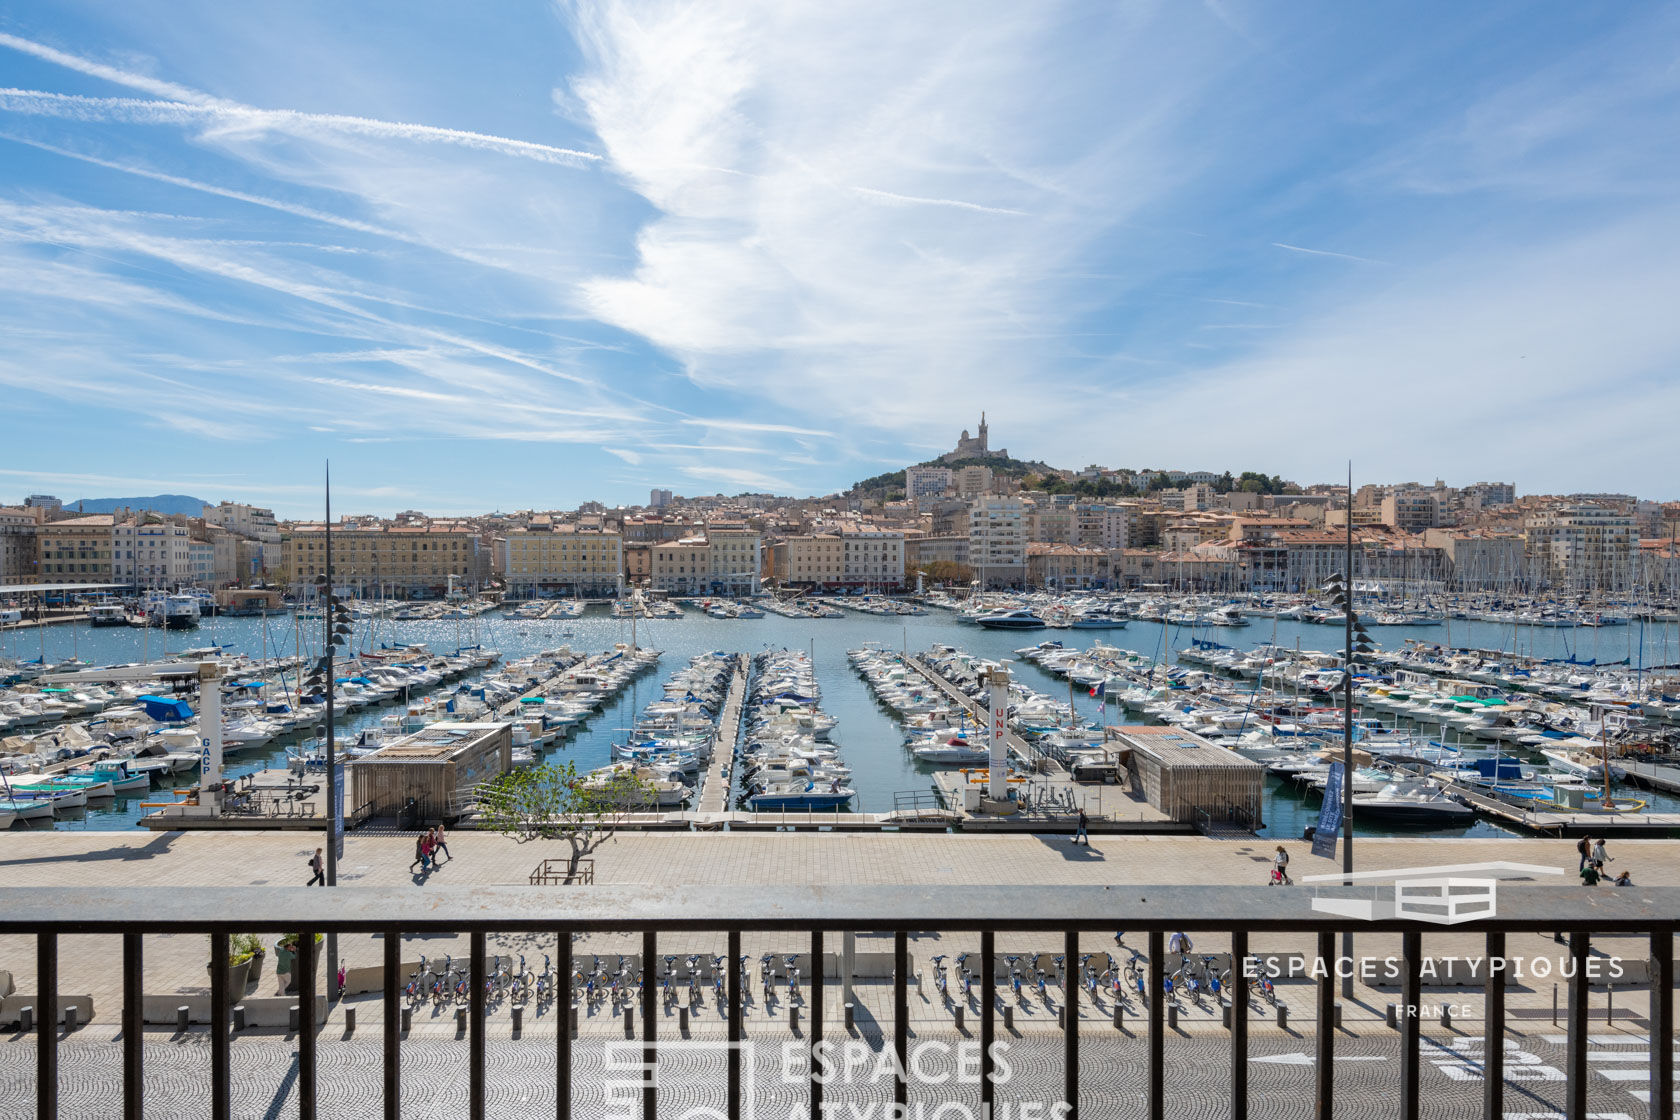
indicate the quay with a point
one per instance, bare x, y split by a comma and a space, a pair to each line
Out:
714, 792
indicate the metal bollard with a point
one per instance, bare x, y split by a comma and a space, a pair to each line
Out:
518, 1020
1119, 1015
69, 1016
629, 1022
1225, 1015
793, 1018
26, 1019
239, 1016
1336, 1015
407, 1019
1446, 1015
1392, 1015
1283, 1015
1609, 1002
292, 1017
574, 1020
349, 1021
958, 1015
182, 1016
460, 1020
1172, 1016
682, 1020
1008, 1017
1554, 1005
1061, 1017
849, 1009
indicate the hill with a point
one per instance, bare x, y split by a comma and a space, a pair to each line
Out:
166, 504
891, 484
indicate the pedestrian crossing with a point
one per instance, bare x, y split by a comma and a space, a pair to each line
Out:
1622, 1059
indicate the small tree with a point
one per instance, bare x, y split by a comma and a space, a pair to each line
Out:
553, 803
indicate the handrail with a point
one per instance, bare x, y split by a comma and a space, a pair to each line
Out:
119, 909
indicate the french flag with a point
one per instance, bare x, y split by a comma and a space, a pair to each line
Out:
1102, 687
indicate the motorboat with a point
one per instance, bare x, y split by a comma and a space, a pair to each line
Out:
1017, 619
1412, 802
955, 751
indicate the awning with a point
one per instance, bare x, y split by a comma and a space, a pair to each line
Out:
166, 711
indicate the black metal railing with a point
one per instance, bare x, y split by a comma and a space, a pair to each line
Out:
819, 912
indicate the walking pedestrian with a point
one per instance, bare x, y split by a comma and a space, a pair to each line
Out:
437, 841
1280, 868
316, 865
1598, 853
1584, 846
1079, 833
419, 853
428, 851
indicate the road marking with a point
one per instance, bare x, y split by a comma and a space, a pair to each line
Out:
1300, 1059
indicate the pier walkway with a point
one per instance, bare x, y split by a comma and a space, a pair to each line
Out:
714, 794
1022, 749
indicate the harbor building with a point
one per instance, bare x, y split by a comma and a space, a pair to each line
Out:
997, 542
874, 559
77, 549
435, 768
1066, 567
407, 561
815, 560
725, 559
546, 560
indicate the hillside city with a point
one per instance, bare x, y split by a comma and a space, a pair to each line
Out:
974, 517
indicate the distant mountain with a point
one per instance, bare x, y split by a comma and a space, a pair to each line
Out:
160, 503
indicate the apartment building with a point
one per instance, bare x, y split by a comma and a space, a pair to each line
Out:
1581, 547
546, 561
973, 480
921, 551
1097, 525
407, 561
926, 482
725, 561
251, 522
816, 560
17, 546
874, 558
997, 541
1065, 567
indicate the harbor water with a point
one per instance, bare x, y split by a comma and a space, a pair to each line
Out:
867, 735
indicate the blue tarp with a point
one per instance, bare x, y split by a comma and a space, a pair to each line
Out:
165, 711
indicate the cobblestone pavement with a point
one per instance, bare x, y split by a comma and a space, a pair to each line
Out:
944, 1069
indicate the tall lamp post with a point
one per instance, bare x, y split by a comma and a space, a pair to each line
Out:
335, 620
1356, 641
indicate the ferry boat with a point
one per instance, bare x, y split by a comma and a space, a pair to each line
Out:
107, 614
175, 612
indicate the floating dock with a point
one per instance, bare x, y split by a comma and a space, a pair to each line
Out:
714, 793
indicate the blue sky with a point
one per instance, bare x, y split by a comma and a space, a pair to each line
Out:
579, 251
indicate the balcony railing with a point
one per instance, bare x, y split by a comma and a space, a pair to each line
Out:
817, 915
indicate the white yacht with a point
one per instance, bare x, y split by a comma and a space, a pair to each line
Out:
1018, 619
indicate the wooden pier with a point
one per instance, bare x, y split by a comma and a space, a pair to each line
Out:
1547, 822
714, 793
1652, 775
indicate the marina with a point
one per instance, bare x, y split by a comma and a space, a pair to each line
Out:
1155, 681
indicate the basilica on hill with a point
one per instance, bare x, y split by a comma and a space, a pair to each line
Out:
974, 447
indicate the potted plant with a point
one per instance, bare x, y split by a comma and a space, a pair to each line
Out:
244, 955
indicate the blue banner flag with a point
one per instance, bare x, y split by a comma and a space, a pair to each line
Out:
1329, 815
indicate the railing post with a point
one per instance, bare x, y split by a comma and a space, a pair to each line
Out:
1662, 1024
475, 1029
1157, 1025
901, 1016
46, 1026
221, 1098
650, 1054
1239, 1026
563, 1027
1411, 959
1575, 1087
1325, 1079
305, 965
988, 1023
392, 1038
1070, 1019
732, 1102
816, 1029
1493, 1030
134, 1042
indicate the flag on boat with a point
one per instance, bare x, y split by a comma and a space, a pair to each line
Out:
1101, 689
